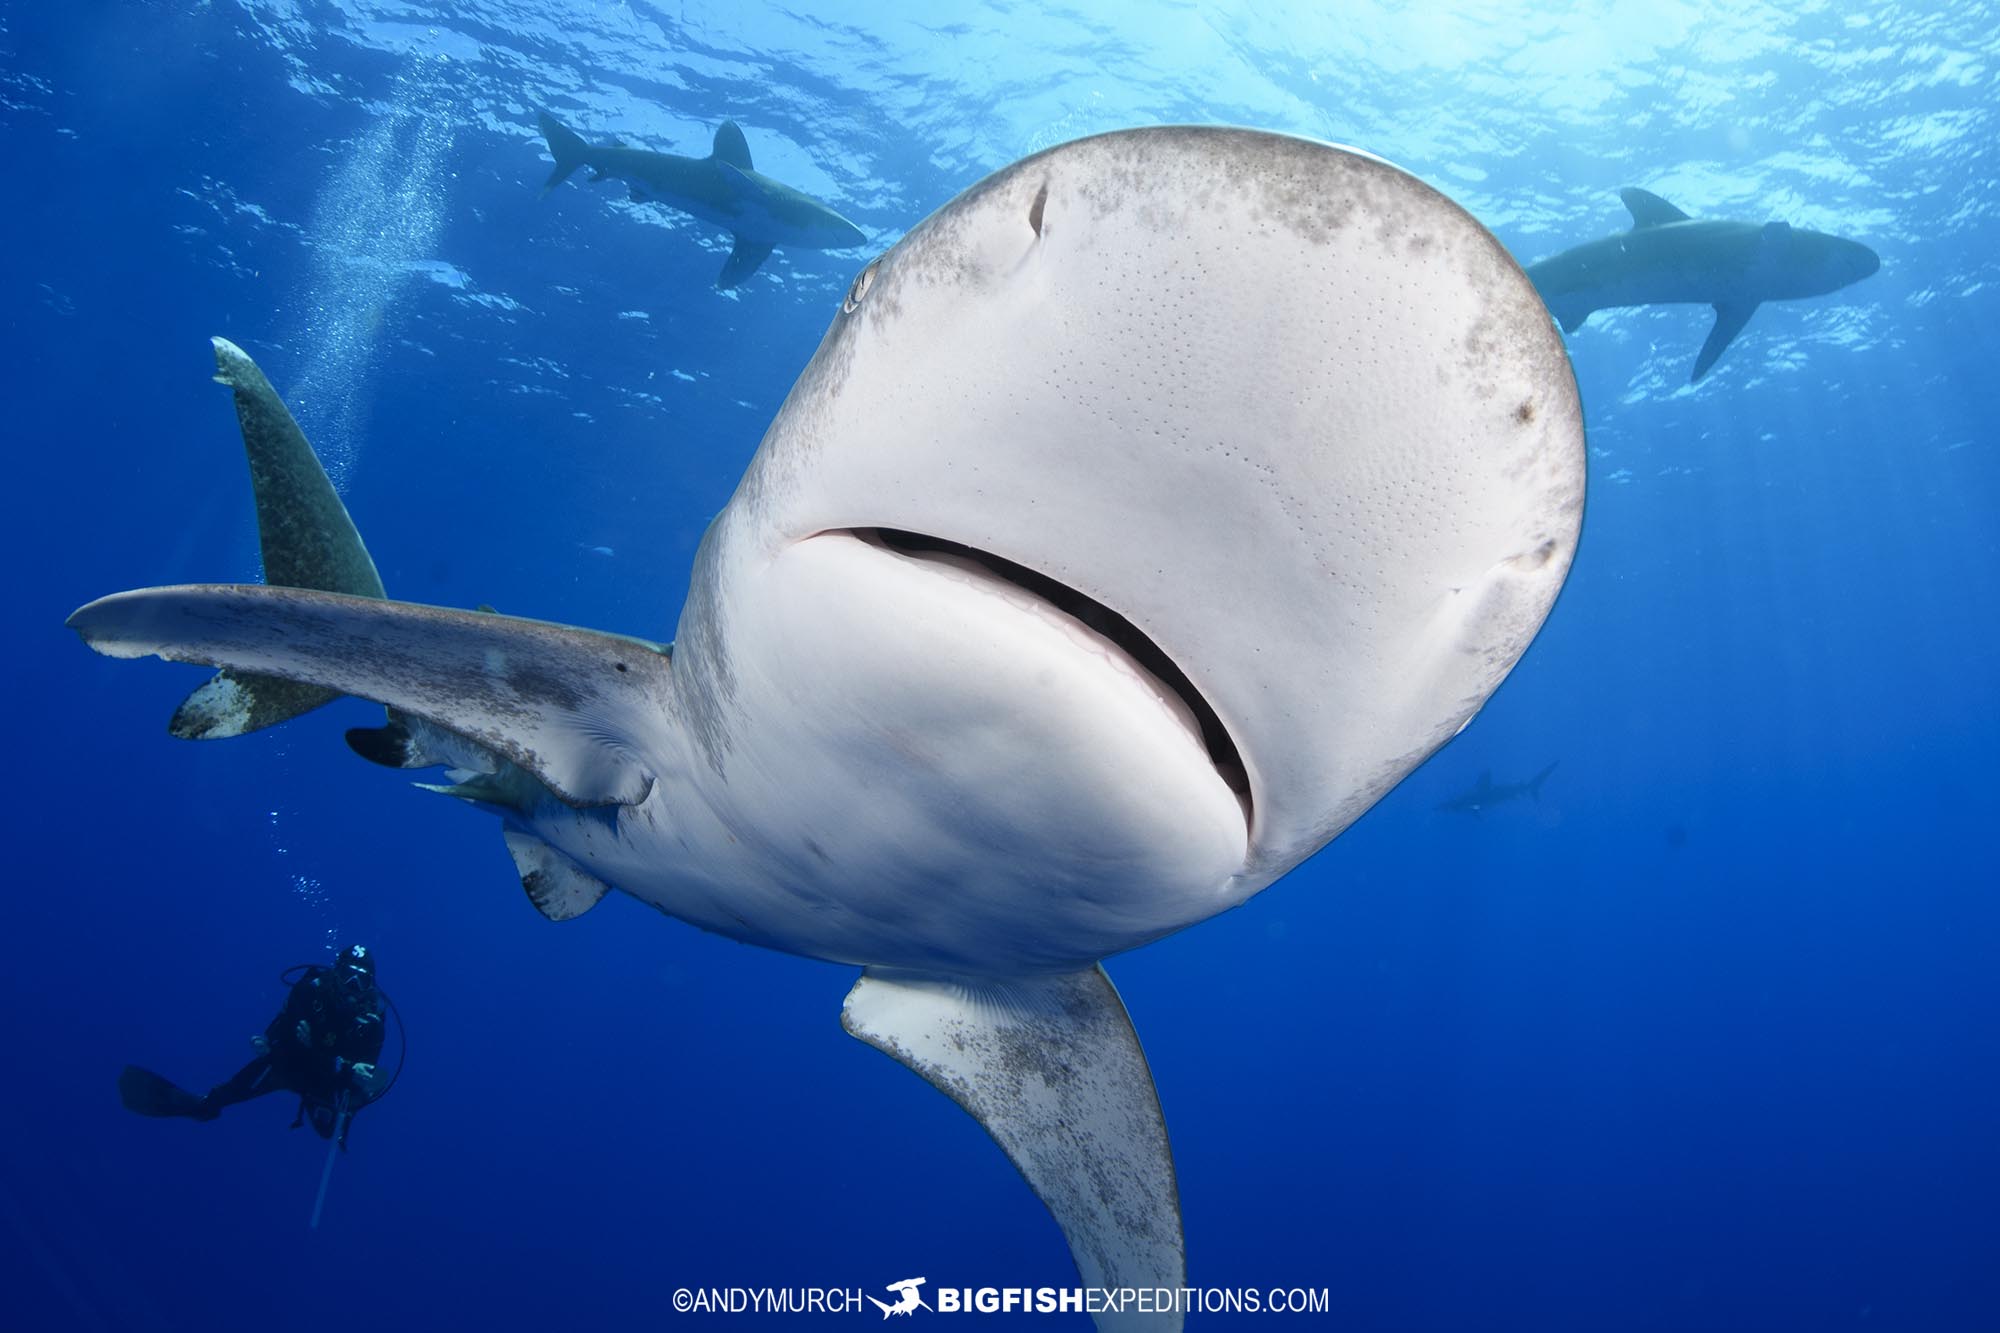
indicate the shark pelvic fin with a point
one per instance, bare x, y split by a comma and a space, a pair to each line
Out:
732, 147
560, 889
306, 540
742, 262
548, 698
1051, 1068
1730, 318
1648, 209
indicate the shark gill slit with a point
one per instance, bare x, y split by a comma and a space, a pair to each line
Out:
1096, 616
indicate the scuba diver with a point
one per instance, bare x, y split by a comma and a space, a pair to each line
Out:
324, 1046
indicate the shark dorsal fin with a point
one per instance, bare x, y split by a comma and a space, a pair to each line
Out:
1648, 209
732, 147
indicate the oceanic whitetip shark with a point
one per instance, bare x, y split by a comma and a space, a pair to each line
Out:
1486, 793
722, 188
1147, 513
1669, 257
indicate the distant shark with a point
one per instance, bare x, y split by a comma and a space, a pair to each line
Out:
1058, 610
722, 188
1668, 257
1486, 793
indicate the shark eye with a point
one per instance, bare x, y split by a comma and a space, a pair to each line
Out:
862, 282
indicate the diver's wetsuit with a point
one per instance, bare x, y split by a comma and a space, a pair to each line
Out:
323, 1046
344, 1028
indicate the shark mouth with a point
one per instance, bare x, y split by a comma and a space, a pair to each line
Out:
1150, 661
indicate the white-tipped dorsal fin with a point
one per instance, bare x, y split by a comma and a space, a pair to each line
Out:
1648, 209
560, 702
1052, 1069
560, 889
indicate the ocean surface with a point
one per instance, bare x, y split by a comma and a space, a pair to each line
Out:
1705, 1035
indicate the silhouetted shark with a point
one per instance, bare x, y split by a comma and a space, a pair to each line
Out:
1486, 793
1669, 257
721, 188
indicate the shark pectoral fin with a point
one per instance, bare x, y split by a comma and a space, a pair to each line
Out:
562, 703
560, 889
1052, 1069
732, 147
306, 539
1730, 318
1648, 209
235, 703
742, 262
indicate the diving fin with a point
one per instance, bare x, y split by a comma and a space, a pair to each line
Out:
1051, 1068
306, 539
149, 1094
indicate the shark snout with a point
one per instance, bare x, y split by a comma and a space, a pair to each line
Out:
1851, 261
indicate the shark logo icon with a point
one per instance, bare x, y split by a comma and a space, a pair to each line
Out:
907, 1300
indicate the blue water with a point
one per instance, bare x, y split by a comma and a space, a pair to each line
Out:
1704, 1038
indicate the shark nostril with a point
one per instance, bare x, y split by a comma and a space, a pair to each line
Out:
1035, 209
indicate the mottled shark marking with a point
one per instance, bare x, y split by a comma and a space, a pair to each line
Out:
1052, 1067
1146, 513
1668, 257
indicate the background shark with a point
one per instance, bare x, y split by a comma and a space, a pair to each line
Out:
1668, 257
1487, 793
722, 188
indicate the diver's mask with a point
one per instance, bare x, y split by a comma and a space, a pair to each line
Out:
354, 971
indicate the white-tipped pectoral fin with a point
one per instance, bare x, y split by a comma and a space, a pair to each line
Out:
564, 704
1052, 1069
